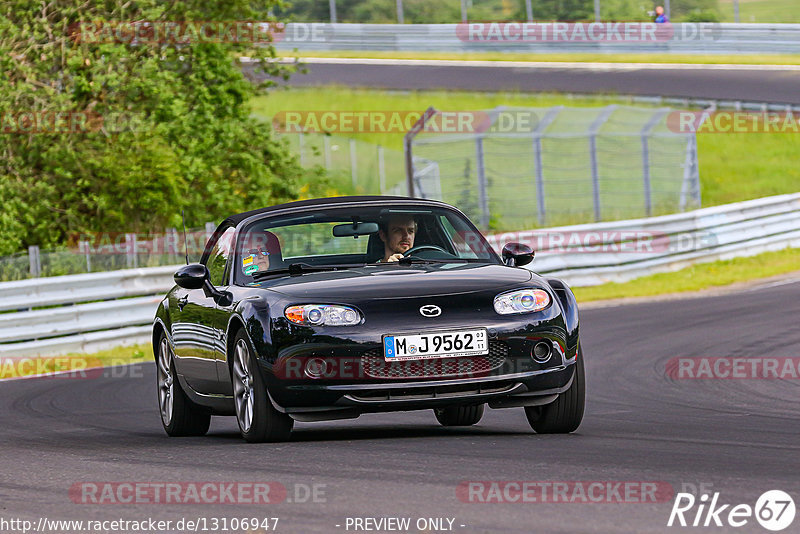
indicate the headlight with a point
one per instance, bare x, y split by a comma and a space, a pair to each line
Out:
322, 315
521, 301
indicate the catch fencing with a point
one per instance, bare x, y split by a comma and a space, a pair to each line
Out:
543, 166
93, 311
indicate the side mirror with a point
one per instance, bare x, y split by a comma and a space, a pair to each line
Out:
517, 254
191, 276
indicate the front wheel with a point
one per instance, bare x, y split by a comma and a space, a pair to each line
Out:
179, 415
564, 415
459, 415
258, 420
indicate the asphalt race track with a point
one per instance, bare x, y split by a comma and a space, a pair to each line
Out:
746, 83
738, 437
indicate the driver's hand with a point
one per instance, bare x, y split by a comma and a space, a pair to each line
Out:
394, 257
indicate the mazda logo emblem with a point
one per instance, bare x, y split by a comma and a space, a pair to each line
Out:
430, 310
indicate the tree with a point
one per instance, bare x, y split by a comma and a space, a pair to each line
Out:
152, 126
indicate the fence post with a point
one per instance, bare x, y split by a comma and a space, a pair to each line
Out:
381, 169
400, 18
353, 163
593, 129
35, 261
408, 141
84, 246
549, 117
647, 129
691, 174
326, 143
528, 10
131, 261
332, 6
483, 190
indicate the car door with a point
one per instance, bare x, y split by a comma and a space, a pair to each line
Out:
195, 335
219, 267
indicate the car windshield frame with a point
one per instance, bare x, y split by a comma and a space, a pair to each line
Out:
344, 213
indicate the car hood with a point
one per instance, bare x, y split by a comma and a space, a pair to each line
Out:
395, 282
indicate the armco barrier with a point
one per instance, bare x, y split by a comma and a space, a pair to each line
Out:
684, 38
90, 311
660, 244
117, 307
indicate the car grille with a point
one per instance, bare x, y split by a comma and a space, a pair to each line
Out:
375, 366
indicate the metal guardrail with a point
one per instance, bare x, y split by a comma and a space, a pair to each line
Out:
592, 254
84, 312
98, 310
682, 38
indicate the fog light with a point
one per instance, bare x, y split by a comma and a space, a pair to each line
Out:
316, 368
542, 352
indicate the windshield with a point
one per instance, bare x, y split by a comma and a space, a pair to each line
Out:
358, 236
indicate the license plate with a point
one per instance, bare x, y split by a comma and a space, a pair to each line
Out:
446, 344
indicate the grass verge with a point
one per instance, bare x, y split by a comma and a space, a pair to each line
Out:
36, 365
698, 277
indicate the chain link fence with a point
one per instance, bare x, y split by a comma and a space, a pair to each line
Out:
354, 166
552, 166
103, 252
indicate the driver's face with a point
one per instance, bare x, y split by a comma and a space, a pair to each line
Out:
400, 235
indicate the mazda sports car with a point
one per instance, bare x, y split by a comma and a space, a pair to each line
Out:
327, 309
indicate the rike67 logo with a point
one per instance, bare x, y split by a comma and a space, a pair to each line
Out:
774, 510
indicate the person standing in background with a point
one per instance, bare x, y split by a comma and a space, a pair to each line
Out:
660, 16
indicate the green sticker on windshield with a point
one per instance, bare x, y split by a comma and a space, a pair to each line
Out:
250, 269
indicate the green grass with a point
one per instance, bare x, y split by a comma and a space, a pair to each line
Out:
697, 277
580, 57
75, 361
761, 11
733, 167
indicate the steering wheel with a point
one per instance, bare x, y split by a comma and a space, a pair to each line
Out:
420, 248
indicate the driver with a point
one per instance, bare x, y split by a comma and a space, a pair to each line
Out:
397, 235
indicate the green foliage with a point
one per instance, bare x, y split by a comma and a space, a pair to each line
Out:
183, 137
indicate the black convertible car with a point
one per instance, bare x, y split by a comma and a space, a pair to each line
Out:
327, 309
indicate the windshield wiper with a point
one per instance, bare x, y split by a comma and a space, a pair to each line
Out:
301, 268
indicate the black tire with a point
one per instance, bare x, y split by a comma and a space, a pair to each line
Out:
564, 415
459, 415
179, 415
259, 421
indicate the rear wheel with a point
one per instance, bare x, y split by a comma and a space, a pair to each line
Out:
258, 420
459, 415
564, 415
179, 415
